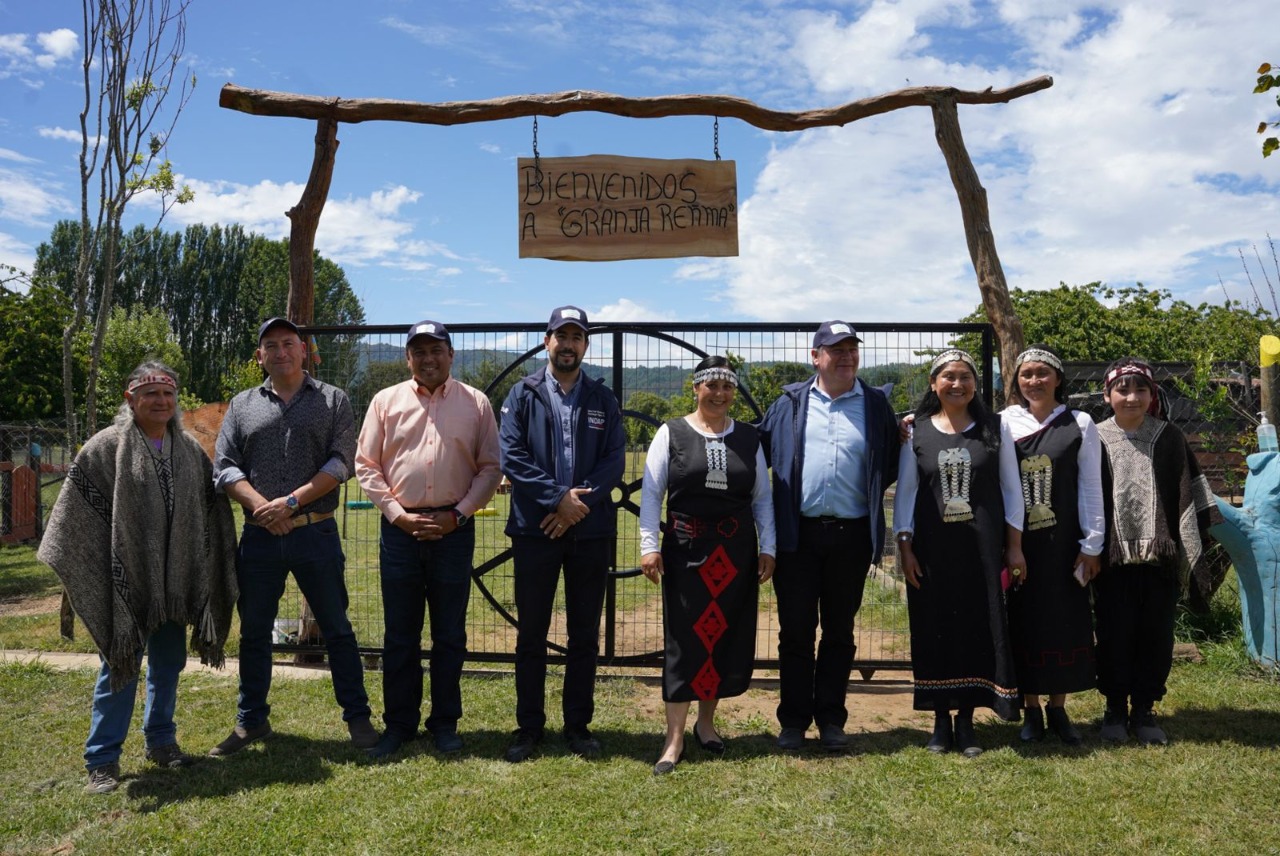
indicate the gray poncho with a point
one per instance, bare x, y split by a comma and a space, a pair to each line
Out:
139, 537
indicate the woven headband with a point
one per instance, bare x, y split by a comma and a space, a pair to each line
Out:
1140, 369
162, 379
952, 356
715, 373
1038, 355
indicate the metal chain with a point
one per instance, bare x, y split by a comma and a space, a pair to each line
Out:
716, 138
537, 160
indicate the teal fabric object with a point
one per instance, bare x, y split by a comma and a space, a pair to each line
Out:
1251, 535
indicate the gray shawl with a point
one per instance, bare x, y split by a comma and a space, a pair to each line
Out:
139, 538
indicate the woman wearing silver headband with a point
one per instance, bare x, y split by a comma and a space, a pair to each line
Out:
144, 549
1060, 466
712, 473
1158, 507
958, 518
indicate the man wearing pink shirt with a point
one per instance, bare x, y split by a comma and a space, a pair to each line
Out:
428, 459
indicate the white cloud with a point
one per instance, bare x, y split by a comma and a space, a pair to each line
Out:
628, 310
66, 134
16, 157
18, 57
57, 46
1129, 168
16, 252
29, 200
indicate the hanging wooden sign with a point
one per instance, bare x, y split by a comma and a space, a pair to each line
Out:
606, 207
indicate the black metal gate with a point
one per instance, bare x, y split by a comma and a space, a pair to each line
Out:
648, 366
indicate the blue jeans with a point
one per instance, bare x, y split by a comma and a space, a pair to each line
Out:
538, 562
420, 577
112, 711
263, 562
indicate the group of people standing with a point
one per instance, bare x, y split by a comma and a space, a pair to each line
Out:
1001, 524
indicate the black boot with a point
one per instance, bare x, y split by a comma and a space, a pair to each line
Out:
1061, 725
966, 740
941, 740
1033, 724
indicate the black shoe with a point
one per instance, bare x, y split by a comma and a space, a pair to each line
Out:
363, 734
832, 738
239, 738
662, 768
1033, 724
791, 739
966, 740
714, 746
103, 780
1145, 728
1115, 726
1060, 724
526, 740
447, 740
581, 742
388, 744
942, 734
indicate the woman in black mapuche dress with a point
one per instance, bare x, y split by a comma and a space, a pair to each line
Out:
1050, 619
712, 472
958, 517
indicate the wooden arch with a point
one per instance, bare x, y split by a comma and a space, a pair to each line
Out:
942, 101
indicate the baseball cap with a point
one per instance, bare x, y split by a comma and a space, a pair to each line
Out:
567, 315
433, 329
277, 322
831, 332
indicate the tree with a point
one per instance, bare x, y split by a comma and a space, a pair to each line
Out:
30, 351
132, 49
1096, 322
132, 336
1266, 82
651, 405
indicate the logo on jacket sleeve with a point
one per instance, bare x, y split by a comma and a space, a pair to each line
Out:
595, 419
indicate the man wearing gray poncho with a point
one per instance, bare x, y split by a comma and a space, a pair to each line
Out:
145, 548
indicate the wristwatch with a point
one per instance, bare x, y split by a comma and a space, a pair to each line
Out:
460, 518
291, 501
904, 537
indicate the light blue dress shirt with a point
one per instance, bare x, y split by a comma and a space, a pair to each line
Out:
833, 481
567, 402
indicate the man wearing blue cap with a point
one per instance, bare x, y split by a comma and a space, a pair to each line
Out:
428, 459
283, 449
832, 442
563, 449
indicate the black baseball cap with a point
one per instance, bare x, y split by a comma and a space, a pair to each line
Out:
567, 315
432, 329
831, 332
277, 322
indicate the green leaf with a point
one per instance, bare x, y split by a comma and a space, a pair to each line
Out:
1269, 145
1265, 82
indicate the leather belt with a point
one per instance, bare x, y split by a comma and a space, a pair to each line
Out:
299, 520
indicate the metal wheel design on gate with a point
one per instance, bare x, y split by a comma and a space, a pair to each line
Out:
626, 495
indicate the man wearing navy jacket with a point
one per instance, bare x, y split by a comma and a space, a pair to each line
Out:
563, 450
832, 442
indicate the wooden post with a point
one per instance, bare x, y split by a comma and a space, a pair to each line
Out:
305, 219
977, 231
1269, 362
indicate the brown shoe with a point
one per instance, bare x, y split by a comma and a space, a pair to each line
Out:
103, 780
239, 738
363, 734
169, 756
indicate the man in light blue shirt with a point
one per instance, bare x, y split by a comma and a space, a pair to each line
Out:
832, 442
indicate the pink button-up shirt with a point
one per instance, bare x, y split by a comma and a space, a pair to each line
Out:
426, 450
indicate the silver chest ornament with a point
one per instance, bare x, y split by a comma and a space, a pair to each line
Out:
956, 470
1037, 491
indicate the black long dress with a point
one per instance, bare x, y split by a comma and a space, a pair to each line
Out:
959, 630
709, 555
1050, 620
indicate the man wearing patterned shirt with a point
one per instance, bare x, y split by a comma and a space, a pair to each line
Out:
428, 459
283, 448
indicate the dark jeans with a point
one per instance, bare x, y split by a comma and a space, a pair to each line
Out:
538, 562
263, 561
821, 582
420, 577
1135, 607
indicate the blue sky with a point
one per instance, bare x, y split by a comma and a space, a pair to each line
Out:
1139, 164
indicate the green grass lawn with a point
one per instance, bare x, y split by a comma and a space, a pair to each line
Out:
306, 791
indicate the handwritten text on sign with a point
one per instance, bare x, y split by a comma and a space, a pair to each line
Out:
604, 207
